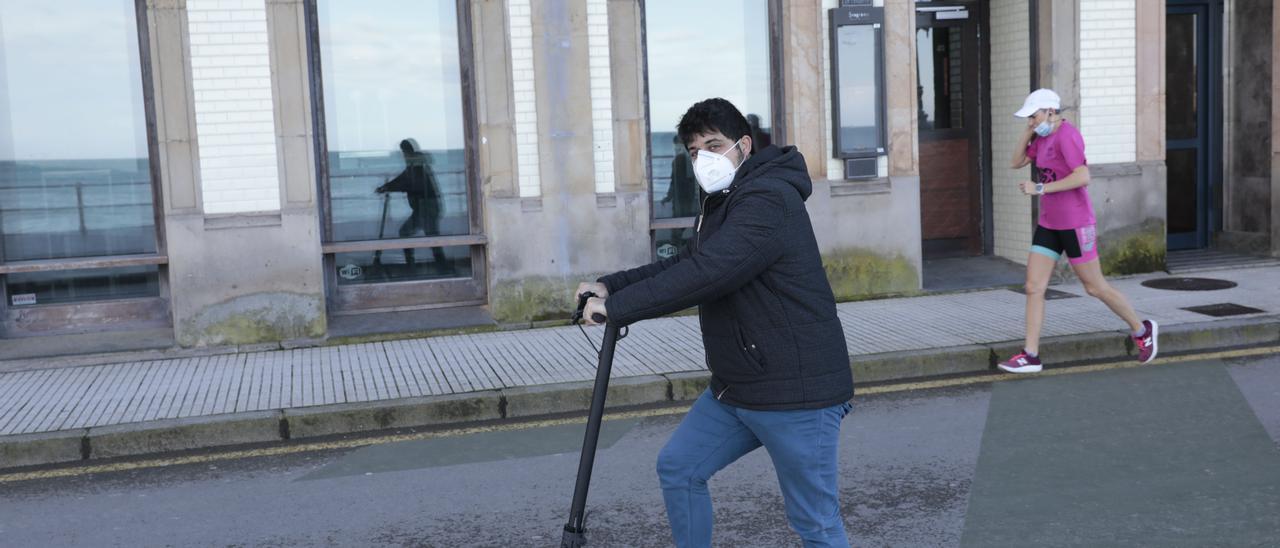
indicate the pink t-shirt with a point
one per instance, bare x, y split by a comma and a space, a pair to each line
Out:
1056, 156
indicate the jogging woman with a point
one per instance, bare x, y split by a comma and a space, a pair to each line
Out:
1066, 226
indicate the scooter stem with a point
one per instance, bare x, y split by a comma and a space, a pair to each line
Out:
574, 531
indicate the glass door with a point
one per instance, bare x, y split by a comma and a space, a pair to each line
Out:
948, 76
1193, 111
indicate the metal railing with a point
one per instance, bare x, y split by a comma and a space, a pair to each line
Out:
76, 213
59, 202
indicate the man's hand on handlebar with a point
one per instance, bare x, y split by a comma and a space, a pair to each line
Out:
594, 310
590, 287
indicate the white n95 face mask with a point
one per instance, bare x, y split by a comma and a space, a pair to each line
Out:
714, 172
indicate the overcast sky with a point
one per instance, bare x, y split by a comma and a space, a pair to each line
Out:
390, 70
703, 49
70, 82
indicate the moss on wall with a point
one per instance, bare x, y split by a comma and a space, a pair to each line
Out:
533, 299
854, 274
253, 319
859, 273
1133, 249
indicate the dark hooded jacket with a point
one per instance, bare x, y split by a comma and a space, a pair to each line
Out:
769, 324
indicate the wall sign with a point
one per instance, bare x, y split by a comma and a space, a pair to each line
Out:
351, 272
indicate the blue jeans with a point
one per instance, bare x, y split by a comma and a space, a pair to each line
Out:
802, 444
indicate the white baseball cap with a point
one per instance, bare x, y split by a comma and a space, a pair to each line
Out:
1039, 99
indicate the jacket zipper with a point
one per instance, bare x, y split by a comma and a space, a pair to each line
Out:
702, 214
697, 241
697, 238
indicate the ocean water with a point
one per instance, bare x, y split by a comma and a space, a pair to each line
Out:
356, 208
76, 208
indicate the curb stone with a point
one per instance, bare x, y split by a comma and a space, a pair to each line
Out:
550, 399
144, 438
42, 448
327, 420
689, 385
1220, 334
893, 366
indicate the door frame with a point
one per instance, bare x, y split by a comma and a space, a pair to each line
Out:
1209, 135
105, 314
413, 294
977, 120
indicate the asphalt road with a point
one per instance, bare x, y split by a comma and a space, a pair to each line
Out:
1181, 454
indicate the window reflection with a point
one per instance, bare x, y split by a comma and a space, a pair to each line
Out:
399, 265
71, 286
698, 50
75, 178
939, 76
393, 119
668, 243
1182, 113
1183, 173
859, 103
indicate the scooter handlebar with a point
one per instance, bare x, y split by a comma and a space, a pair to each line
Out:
582, 305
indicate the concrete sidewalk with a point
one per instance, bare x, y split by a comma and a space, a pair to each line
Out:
99, 411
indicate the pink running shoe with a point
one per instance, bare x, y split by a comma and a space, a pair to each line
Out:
1022, 363
1149, 343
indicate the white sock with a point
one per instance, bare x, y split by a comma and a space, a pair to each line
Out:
1141, 332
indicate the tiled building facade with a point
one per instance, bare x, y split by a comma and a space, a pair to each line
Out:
295, 164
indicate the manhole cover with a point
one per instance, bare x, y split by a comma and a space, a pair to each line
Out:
1223, 309
1049, 294
1189, 284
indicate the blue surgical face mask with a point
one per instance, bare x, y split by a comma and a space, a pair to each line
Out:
1044, 129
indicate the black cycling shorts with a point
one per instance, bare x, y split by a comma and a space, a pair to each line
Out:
1079, 244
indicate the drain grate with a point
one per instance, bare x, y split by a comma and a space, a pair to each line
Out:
1189, 284
1049, 294
1222, 310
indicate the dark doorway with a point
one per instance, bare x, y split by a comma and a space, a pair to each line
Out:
950, 83
1193, 111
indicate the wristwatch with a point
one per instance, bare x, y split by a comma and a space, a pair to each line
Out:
1040, 189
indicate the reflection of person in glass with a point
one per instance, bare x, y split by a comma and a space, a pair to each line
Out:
758, 134
418, 183
682, 193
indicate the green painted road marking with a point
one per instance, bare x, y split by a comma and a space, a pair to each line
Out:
1168, 456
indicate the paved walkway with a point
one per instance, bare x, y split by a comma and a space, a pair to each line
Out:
63, 399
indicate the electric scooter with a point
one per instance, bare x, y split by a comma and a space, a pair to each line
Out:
575, 531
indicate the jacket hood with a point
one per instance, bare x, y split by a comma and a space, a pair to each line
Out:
785, 163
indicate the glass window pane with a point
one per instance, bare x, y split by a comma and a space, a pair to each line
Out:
70, 286
670, 242
675, 189
859, 103
1183, 173
939, 76
1182, 76
75, 177
699, 50
400, 265
393, 119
